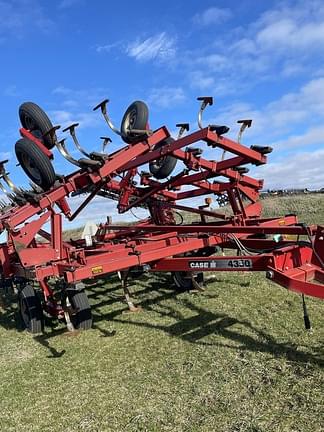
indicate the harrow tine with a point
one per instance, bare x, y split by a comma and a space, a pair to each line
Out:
71, 130
4, 176
3, 205
9, 182
17, 199
205, 100
64, 152
35, 188
103, 107
3, 189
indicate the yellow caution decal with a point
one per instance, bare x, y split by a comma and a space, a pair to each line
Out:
97, 270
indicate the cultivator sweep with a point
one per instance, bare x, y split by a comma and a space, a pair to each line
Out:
47, 271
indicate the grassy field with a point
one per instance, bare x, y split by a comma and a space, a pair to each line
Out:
235, 358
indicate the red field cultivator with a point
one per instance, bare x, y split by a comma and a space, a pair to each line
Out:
47, 271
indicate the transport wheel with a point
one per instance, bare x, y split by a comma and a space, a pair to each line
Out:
135, 117
35, 163
184, 283
30, 310
82, 318
163, 167
33, 118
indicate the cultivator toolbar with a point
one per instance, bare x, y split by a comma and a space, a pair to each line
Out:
48, 271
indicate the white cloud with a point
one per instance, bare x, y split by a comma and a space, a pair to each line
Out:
108, 47
21, 17
279, 117
305, 169
65, 118
159, 47
11, 91
312, 137
213, 15
200, 80
166, 97
284, 41
65, 4
296, 27
80, 97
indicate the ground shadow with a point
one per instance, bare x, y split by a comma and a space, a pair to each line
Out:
107, 292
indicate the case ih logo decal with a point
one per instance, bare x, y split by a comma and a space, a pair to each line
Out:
224, 264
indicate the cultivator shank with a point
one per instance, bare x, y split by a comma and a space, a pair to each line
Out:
163, 242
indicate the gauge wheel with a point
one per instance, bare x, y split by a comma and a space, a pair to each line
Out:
30, 310
35, 163
81, 317
135, 117
184, 283
163, 166
33, 118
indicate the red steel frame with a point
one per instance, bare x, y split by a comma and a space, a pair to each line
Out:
158, 243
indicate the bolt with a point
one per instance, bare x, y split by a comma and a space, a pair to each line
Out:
269, 274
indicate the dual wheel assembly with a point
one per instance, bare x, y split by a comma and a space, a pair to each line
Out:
74, 302
37, 165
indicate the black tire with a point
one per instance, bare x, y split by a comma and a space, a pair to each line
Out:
30, 310
183, 283
35, 163
163, 167
82, 319
33, 118
135, 117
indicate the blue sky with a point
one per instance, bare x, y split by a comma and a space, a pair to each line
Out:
258, 59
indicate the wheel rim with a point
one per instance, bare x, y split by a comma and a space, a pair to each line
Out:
159, 162
131, 119
31, 167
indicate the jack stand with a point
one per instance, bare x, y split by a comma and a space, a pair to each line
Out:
306, 316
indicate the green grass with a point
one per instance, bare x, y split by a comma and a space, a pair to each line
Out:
234, 358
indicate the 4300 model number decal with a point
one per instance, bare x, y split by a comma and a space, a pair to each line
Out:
222, 263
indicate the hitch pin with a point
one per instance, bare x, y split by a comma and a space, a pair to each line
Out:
103, 106
205, 100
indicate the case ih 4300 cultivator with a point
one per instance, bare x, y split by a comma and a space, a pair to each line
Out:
47, 272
